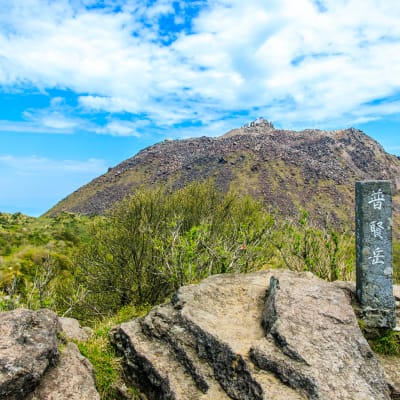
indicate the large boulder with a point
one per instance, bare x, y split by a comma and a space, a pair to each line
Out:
28, 347
31, 365
71, 379
267, 335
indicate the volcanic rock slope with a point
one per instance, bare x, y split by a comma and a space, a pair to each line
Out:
312, 170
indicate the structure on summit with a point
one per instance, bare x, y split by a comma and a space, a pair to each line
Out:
259, 122
374, 253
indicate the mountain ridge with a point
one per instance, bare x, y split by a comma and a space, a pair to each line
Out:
314, 170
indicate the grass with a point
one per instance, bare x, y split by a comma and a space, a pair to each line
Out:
107, 363
388, 344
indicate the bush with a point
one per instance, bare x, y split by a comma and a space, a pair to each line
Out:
154, 242
35, 260
324, 252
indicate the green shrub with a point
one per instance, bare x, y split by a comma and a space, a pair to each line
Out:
155, 241
326, 253
36, 254
389, 344
105, 361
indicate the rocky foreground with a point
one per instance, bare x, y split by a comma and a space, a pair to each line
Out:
35, 364
267, 335
273, 334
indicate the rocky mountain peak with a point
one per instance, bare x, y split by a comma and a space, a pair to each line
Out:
260, 125
314, 170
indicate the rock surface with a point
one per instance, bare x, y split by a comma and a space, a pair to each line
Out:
71, 379
31, 365
392, 373
73, 330
266, 335
28, 347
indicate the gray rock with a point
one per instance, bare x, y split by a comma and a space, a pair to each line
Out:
73, 330
28, 347
31, 366
225, 339
392, 373
313, 342
71, 379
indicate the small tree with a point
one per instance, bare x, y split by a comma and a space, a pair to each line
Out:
155, 241
324, 252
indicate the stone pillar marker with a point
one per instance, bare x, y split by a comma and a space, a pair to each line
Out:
374, 268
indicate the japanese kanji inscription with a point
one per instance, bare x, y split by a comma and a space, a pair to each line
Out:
374, 253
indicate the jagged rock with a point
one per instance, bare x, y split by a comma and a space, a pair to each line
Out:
317, 346
73, 330
226, 338
31, 366
28, 347
71, 379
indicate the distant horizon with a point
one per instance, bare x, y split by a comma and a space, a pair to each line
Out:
86, 84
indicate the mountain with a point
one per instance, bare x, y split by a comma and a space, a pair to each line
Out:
313, 170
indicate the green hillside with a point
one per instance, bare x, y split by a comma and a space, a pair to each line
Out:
152, 243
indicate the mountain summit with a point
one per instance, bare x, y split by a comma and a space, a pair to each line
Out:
314, 170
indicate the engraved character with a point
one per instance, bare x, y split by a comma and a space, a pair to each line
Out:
378, 256
376, 228
377, 198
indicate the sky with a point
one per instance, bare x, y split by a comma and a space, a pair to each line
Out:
86, 84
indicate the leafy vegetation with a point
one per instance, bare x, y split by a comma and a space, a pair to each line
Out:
388, 344
155, 242
106, 363
105, 270
104, 358
328, 254
36, 259
152, 243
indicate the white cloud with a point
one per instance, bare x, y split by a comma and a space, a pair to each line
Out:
295, 62
119, 128
33, 165
21, 126
58, 121
51, 120
109, 104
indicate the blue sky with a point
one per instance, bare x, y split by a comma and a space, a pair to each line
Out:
85, 84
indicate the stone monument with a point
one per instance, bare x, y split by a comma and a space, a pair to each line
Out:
374, 254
